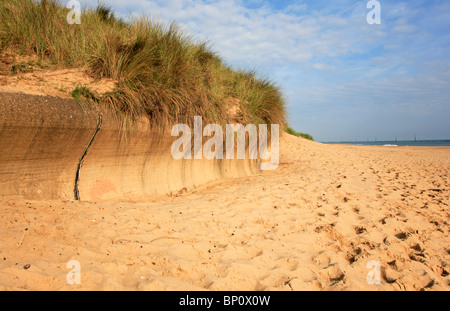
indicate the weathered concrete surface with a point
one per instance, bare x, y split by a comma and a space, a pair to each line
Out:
44, 138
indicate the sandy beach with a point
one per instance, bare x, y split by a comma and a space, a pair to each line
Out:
107, 115
313, 224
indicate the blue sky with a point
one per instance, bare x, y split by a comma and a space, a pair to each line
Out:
342, 78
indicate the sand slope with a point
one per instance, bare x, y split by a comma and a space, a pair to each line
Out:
313, 224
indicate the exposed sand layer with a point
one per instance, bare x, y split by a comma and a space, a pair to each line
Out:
313, 224
38, 81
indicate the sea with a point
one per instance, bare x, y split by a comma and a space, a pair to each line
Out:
400, 143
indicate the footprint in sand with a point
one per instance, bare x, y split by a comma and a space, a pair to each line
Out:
360, 230
323, 259
354, 255
332, 275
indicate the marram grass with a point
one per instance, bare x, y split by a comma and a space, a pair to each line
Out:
291, 131
161, 72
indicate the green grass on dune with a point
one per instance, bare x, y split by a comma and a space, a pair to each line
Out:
161, 72
295, 133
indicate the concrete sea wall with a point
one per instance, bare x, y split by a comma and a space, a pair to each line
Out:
52, 148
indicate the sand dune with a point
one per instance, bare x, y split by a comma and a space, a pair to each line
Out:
313, 224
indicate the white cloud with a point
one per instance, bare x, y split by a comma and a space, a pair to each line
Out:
296, 8
327, 59
402, 26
